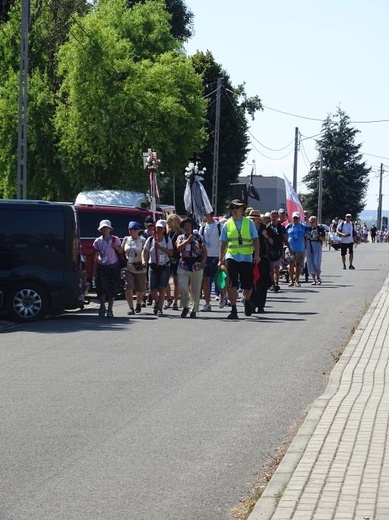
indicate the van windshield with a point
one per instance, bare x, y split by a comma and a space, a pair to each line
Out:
89, 222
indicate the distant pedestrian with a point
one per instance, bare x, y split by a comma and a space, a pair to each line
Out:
373, 233
134, 274
174, 230
157, 252
261, 286
210, 232
316, 235
106, 268
277, 239
346, 231
282, 217
296, 238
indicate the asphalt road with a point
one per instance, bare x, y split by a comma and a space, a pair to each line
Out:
161, 419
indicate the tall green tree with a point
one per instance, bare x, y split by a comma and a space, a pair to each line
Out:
49, 25
181, 17
127, 86
345, 175
233, 138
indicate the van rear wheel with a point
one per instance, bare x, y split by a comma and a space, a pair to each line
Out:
27, 301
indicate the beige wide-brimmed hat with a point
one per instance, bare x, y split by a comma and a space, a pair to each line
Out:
105, 223
254, 213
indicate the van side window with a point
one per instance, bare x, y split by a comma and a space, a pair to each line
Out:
26, 236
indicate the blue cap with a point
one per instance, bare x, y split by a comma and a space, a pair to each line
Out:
133, 225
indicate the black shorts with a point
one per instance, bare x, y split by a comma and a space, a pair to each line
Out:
240, 272
346, 247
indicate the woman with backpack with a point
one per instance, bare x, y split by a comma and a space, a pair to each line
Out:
157, 252
134, 274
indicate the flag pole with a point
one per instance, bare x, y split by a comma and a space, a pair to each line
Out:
151, 164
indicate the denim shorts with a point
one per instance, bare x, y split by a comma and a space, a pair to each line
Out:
158, 276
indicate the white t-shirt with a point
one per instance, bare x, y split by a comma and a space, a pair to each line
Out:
163, 258
211, 239
346, 228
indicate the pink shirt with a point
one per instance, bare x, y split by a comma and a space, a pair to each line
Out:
107, 254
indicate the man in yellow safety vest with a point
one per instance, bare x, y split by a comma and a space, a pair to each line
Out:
238, 241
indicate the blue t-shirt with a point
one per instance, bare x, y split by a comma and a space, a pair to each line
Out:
296, 236
224, 238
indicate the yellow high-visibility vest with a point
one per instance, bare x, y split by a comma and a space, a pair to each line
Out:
233, 245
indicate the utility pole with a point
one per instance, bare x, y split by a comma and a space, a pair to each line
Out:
21, 179
320, 198
379, 211
296, 148
215, 173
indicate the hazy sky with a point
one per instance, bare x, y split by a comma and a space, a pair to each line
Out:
305, 57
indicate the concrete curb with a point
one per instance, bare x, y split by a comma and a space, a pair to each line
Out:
267, 504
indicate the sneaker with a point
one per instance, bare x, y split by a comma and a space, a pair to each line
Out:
138, 308
351, 267
217, 298
318, 281
130, 311
276, 288
175, 307
109, 314
291, 284
222, 303
159, 313
344, 267
149, 300
155, 310
313, 283
233, 315
297, 284
206, 308
184, 312
193, 314
248, 308
167, 304
102, 311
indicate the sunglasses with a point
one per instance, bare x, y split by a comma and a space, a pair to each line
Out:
236, 207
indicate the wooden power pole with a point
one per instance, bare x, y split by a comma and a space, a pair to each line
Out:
215, 173
21, 180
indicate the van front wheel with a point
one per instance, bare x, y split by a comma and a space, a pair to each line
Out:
27, 302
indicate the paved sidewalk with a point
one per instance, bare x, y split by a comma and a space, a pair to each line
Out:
337, 467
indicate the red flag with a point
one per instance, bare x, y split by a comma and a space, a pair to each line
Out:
292, 201
256, 273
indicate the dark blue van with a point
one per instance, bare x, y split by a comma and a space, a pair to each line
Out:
40, 265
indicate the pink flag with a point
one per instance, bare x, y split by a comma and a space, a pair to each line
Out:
292, 201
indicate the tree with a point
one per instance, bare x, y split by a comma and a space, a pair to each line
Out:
127, 86
234, 140
181, 18
345, 176
49, 25
5, 7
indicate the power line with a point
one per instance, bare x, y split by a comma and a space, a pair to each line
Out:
377, 156
322, 120
253, 136
293, 115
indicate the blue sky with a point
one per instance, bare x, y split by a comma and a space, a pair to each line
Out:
305, 58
